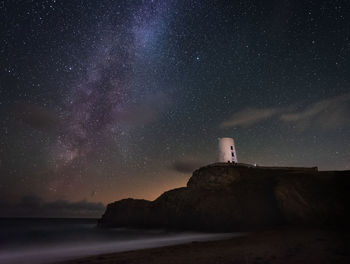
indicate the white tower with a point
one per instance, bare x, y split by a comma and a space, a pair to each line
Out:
227, 151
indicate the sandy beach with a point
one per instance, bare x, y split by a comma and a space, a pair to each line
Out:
284, 245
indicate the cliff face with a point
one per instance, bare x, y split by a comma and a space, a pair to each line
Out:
223, 197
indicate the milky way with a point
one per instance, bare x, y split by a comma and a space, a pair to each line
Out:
107, 94
102, 100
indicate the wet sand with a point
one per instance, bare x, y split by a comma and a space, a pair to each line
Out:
284, 245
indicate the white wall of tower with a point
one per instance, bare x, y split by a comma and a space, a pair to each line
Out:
227, 150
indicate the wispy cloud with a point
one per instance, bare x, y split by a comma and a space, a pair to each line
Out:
35, 206
37, 117
326, 114
187, 164
144, 112
250, 116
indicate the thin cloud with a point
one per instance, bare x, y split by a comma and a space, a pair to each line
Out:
35, 206
147, 111
186, 165
326, 114
37, 117
329, 113
249, 117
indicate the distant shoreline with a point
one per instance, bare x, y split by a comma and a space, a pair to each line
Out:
283, 245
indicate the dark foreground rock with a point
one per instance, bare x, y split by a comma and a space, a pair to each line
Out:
225, 197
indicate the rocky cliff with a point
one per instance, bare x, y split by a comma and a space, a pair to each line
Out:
226, 197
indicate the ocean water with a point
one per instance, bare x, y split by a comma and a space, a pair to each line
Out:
30, 241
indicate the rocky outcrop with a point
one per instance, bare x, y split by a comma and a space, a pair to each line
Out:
127, 213
226, 197
314, 199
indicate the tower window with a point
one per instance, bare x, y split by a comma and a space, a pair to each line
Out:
232, 154
231, 147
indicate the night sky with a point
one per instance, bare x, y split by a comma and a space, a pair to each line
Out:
103, 100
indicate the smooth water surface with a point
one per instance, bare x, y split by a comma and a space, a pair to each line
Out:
29, 241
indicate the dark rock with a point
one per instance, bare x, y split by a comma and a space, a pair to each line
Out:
214, 177
126, 213
227, 197
314, 199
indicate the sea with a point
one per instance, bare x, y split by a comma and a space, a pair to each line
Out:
48, 240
